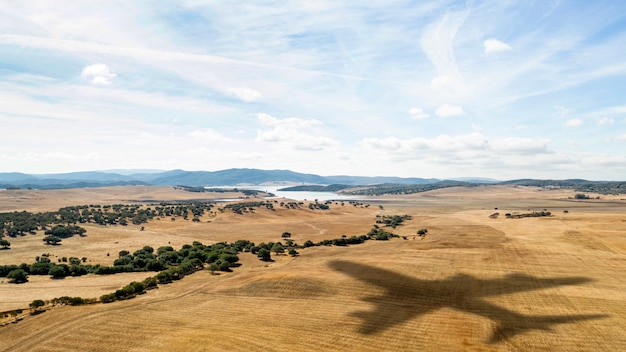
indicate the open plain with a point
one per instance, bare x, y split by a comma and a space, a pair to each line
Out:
475, 282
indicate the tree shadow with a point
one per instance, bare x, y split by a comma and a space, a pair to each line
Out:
407, 297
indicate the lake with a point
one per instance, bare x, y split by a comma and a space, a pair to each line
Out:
320, 196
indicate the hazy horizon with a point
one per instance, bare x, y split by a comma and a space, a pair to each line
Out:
435, 89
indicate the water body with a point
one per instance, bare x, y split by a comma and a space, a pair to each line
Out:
320, 196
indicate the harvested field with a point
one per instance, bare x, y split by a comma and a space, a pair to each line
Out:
473, 283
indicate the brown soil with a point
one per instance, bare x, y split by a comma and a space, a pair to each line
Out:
473, 283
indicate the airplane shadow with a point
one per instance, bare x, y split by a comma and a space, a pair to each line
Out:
408, 297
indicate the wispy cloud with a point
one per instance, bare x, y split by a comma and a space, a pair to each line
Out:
525, 76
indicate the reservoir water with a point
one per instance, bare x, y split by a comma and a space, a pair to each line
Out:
320, 196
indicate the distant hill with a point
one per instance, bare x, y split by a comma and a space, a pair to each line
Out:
234, 177
188, 178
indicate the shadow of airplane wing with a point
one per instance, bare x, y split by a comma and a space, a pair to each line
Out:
510, 323
400, 302
513, 283
380, 277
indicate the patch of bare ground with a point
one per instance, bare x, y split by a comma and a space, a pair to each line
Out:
473, 283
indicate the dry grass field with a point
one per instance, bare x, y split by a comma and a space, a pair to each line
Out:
473, 283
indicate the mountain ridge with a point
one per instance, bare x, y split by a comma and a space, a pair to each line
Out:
234, 176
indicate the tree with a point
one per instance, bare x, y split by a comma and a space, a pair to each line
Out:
264, 254
5, 244
57, 271
36, 304
53, 240
278, 248
293, 252
17, 276
224, 266
286, 235
213, 267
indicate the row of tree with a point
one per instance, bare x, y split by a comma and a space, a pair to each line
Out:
15, 224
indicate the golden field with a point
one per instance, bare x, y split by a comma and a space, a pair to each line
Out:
473, 283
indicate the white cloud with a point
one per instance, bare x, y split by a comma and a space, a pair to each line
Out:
208, 135
495, 46
521, 145
449, 110
246, 94
605, 121
621, 137
291, 122
441, 143
561, 111
418, 113
437, 42
574, 123
442, 82
289, 132
98, 74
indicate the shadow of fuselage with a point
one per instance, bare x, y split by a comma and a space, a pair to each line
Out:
407, 297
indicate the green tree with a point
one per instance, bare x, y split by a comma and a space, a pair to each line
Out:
264, 254
17, 276
213, 267
5, 244
52, 240
36, 304
224, 266
57, 271
278, 248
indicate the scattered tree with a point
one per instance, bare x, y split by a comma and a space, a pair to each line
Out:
52, 240
264, 254
36, 304
4, 243
278, 248
17, 276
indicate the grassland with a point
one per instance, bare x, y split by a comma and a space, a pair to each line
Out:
473, 283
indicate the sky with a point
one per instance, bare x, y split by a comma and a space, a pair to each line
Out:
444, 89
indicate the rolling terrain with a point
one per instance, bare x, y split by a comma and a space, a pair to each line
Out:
476, 282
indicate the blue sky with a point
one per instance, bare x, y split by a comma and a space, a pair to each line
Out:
502, 89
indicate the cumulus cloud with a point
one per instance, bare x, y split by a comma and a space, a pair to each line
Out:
494, 46
574, 123
98, 74
449, 110
418, 113
289, 131
521, 145
246, 94
291, 122
472, 147
446, 143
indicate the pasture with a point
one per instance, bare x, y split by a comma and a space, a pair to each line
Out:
475, 282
